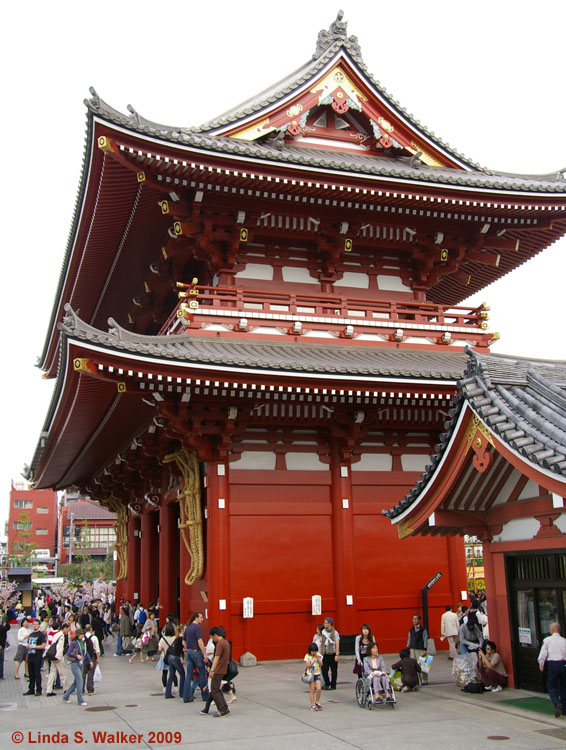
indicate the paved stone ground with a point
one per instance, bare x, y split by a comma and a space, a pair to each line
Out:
272, 711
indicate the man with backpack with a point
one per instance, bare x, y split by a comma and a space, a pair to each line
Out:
54, 657
93, 649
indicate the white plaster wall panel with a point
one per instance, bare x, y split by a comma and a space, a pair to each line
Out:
373, 462
531, 489
507, 488
518, 529
319, 335
560, 523
304, 462
353, 279
370, 337
267, 331
297, 275
414, 461
255, 460
216, 327
256, 271
391, 284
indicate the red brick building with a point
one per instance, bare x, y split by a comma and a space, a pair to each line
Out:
32, 518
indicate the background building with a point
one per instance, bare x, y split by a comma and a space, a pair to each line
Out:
85, 528
32, 521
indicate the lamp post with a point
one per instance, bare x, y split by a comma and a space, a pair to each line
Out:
71, 540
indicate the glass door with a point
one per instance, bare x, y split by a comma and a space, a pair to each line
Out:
526, 641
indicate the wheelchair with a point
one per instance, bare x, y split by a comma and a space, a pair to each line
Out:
366, 698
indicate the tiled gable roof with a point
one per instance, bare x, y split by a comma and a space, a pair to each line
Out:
522, 401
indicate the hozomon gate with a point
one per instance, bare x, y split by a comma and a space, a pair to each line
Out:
256, 337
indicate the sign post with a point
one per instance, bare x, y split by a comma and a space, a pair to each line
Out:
424, 594
248, 607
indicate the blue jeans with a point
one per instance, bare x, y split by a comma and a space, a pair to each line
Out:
77, 684
175, 665
119, 645
195, 660
556, 682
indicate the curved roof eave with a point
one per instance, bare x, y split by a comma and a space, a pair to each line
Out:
515, 425
52, 332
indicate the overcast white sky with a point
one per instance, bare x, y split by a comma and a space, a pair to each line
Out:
487, 77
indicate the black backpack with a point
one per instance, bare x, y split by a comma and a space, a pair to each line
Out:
51, 652
90, 647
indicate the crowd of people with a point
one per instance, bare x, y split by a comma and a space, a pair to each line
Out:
61, 633
72, 633
186, 662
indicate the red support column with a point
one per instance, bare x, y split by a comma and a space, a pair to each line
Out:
218, 542
149, 559
343, 541
167, 560
133, 585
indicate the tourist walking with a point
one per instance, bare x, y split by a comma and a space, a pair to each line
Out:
553, 654
57, 665
171, 643
313, 664
78, 656
219, 669
195, 658
450, 629
93, 648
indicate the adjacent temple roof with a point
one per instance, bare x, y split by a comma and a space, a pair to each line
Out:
521, 401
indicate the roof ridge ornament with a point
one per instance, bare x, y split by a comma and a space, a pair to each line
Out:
337, 32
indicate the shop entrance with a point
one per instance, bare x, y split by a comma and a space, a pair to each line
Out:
537, 597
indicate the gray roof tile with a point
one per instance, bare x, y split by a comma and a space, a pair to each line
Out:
523, 402
289, 356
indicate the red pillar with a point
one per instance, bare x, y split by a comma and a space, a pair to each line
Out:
218, 543
167, 560
149, 559
343, 541
133, 586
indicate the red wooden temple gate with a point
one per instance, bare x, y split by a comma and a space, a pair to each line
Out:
281, 287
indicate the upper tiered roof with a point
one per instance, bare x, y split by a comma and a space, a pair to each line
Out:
327, 138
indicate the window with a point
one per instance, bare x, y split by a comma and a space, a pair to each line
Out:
21, 525
23, 504
42, 509
41, 532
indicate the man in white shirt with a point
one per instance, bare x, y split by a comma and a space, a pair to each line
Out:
57, 665
450, 629
553, 652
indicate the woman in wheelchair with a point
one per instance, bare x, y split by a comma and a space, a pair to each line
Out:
376, 672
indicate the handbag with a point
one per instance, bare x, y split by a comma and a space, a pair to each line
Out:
97, 674
232, 671
306, 677
146, 638
357, 669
